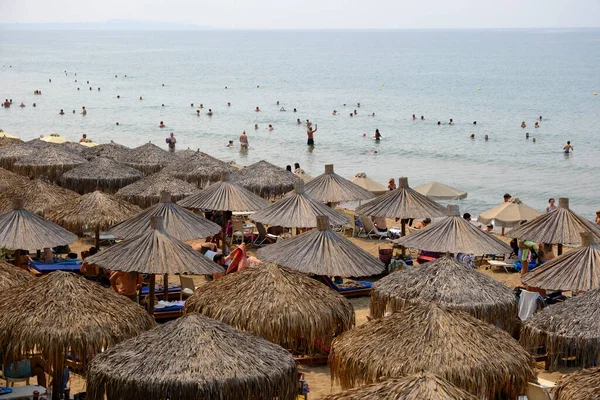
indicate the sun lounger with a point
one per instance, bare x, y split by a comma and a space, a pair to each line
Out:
537, 392
371, 230
503, 264
426, 256
173, 288
264, 238
70, 266
170, 311
365, 290
105, 237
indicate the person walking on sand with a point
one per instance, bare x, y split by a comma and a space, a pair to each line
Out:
244, 141
568, 148
310, 132
171, 141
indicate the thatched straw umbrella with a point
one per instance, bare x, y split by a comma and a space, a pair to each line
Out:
419, 386
11, 154
508, 214
146, 192
567, 329
147, 158
64, 313
472, 354
178, 222
199, 169
322, 252
361, 179
12, 276
51, 161
577, 271
332, 188
449, 284
21, 229
439, 191
8, 179
154, 252
186, 153
110, 150
266, 180
297, 210
290, 309
100, 174
38, 196
561, 226
580, 385
454, 234
193, 357
8, 140
95, 210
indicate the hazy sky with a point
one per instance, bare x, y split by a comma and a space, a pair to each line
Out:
315, 14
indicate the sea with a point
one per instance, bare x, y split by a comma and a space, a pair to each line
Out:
498, 78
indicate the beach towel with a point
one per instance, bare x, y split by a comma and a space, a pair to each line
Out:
528, 304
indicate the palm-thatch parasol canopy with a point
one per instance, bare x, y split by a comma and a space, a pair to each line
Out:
472, 354
567, 329
580, 385
51, 161
199, 169
96, 210
419, 386
449, 284
454, 234
402, 203
38, 196
10, 154
577, 271
178, 222
146, 192
64, 313
561, 226
21, 229
361, 179
7, 137
265, 179
225, 196
508, 214
12, 276
193, 357
110, 150
297, 210
290, 309
439, 191
322, 252
147, 158
186, 153
100, 174
9, 180
332, 188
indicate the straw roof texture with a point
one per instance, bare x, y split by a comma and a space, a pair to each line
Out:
100, 174
474, 355
449, 284
8, 179
361, 179
51, 161
571, 328
419, 386
98, 210
72, 147
146, 192
508, 214
186, 153
193, 357
402, 203
21, 229
147, 158
12, 276
439, 191
578, 270
290, 309
198, 168
265, 179
177, 222
62, 312
225, 196
332, 188
297, 210
561, 226
38, 196
110, 150
580, 385
10, 154
154, 252
454, 234
322, 252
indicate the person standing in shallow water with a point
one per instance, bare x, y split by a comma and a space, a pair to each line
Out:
310, 132
171, 141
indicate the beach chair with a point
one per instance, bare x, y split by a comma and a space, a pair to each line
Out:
264, 238
365, 290
239, 232
187, 286
351, 225
10, 382
537, 392
371, 229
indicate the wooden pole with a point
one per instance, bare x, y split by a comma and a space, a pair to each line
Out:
166, 287
223, 232
151, 294
559, 249
403, 233
98, 237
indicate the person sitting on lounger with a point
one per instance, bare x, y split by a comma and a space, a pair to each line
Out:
422, 224
379, 223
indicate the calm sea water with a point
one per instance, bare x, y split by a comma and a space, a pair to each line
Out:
521, 74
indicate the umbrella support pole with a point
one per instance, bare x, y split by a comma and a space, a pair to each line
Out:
223, 233
166, 286
151, 295
57, 377
97, 238
403, 233
559, 249
18, 258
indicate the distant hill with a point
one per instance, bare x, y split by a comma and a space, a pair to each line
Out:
111, 25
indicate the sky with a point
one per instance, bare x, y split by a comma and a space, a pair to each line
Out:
314, 14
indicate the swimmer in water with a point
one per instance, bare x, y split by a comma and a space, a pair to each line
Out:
255, 126
22, 104
334, 112
277, 102
90, 88
523, 124
358, 105
257, 109
192, 105
568, 148
77, 88
355, 112
230, 144
282, 109
209, 111
372, 115
162, 105
295, 110
533, 140
439, 122
414, 117
244, 141
140, 97
377, 135
228, 104
526, 135
73, 111
201, 106
62, 112
537, 125
451, 122
422, 118
310, 132
486, 138
98, 89
474, 122
540, 118
371, 153
472, 136
117, 124
298, 121
34, 105
83, 111
118, 97
198, 112
352, 115
271, 127
161, 125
